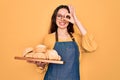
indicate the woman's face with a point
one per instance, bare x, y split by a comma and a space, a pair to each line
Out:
60, 18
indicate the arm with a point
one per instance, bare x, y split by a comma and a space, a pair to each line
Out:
76, 21
88, 42
73, 19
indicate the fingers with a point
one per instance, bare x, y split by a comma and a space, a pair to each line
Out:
73, 14
40, 64
69, 6
30, 61
68, 17
71, 9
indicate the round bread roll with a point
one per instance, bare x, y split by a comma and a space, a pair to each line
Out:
27, 50
59, 57
39, 55
29, 55
40, 49
52, 55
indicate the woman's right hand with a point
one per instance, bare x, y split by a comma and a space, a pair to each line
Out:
39, 64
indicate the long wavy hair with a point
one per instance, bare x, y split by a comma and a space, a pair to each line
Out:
53, 25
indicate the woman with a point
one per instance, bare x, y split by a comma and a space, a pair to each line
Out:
69, 45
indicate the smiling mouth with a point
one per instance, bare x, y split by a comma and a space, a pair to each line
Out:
62, 23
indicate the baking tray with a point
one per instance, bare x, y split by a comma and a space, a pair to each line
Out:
38, 59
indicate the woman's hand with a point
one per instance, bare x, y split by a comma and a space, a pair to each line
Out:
39, 64
71, 17
68, 17
76, 21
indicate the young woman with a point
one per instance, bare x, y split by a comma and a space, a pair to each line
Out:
67, 43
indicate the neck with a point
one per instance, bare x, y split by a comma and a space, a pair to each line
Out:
62, 31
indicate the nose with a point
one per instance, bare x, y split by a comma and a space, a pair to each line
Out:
62, 18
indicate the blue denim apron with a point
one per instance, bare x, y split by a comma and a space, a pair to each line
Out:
70, 69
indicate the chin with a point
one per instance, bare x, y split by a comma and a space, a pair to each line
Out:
62, 27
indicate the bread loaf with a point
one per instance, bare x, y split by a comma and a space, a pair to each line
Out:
41, 52
29, 55
52, 55
39, 55
27, 51
40, 49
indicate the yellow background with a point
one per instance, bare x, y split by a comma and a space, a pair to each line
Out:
24, 23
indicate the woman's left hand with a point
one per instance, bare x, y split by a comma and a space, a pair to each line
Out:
71, 17
76, 21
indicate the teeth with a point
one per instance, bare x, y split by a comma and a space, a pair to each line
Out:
62, 23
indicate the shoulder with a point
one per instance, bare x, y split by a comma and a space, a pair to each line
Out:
49, 36
49, 40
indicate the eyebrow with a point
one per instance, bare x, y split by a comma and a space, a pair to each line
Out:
60, 14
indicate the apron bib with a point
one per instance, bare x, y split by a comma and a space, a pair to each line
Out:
69, 53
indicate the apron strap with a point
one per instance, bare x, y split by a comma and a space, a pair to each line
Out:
73, 39
56, 36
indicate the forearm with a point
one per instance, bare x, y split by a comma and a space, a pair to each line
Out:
80, 27
74, 20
